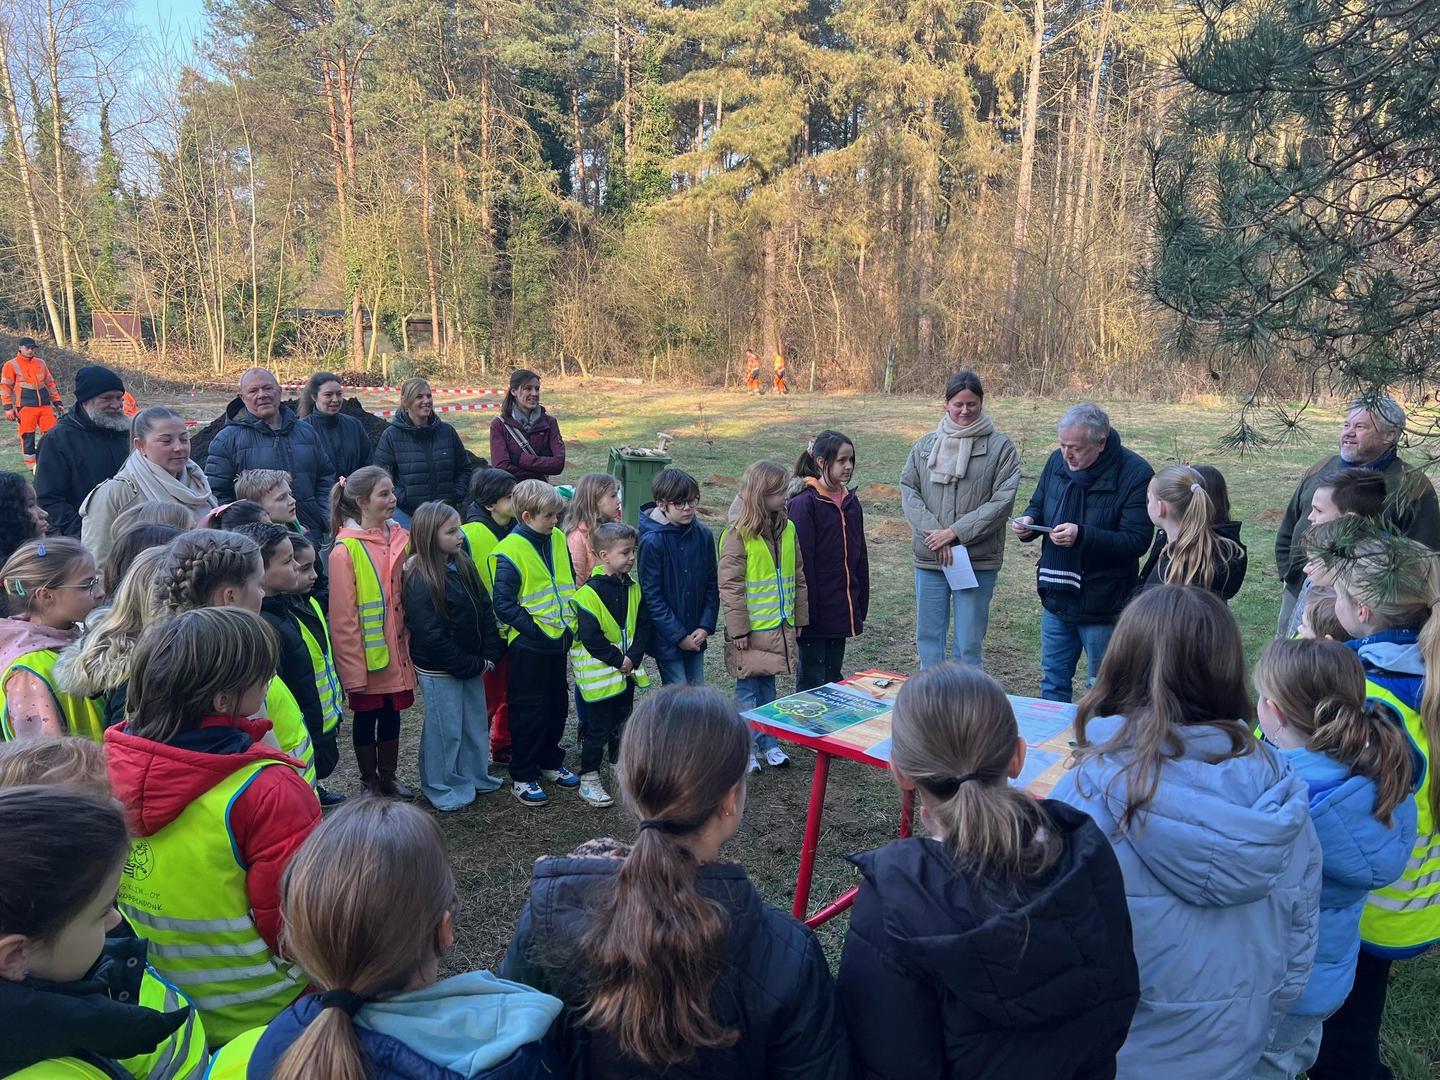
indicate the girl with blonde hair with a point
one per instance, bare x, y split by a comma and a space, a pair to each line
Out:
1192, 546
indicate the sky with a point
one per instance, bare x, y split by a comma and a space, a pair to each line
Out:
181, 20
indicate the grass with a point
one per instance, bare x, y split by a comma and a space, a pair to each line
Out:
716, 437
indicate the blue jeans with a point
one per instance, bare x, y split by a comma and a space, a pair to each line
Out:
1061, 643
935, 605
455, 742
687, 668
751, 693
1293, 1048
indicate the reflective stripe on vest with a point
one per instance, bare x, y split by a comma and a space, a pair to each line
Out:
769, 590
481, 542
181, 1056
370, 599
323, 664
544, 595
232, 1061
82, 715
288, 726
596, 679
184, 889
1406, 912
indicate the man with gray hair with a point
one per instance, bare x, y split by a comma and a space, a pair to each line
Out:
86, 447
1091, 500
1369, 439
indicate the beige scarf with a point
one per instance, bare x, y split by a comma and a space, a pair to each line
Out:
950, 456
191, 490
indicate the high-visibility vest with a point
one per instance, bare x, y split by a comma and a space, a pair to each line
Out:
370, 598
322, 661
183, 1055
288, 726
545, 595
183, 889
26, 384
82, 715
67, 1068
481, 542
595, 679
769, 590
232, 1061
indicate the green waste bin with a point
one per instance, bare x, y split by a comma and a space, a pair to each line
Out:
635, 473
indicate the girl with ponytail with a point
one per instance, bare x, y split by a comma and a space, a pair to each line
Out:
1015, 900
1356, 762
1193, 546
668, 961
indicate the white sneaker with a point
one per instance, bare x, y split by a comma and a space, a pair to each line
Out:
754, 763
593, 791
777, 757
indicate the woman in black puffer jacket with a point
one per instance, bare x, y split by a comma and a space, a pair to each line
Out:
346, 441
423, 455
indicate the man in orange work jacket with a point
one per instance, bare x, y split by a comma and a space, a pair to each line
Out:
28, 392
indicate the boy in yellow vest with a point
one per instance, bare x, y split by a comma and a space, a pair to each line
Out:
613, 628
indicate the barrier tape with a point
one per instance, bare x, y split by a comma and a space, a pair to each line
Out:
467, 390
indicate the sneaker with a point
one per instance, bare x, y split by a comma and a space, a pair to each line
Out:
562, 776
327, 797
754, 764
592, 791
777, 757
530, 793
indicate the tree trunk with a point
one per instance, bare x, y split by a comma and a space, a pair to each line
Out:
425, 213
62, 201
1092, 110
768, 302
1030, 118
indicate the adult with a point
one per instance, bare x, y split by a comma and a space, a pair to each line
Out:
1091, 496
86, 448
1369, 439
264, 433
30, 397
957, 490
524, 439
423, 455
158, 469
343, 436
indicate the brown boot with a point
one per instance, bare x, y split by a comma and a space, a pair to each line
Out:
388, 755
365, 758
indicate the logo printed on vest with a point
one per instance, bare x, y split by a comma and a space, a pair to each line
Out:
140, 863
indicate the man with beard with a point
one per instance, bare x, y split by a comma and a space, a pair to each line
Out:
86, 448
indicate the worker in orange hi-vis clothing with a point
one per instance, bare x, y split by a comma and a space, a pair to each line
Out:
129, 405
781, 385
28, 392
752, 371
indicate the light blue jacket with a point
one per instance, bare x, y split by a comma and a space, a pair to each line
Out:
1222, 875
1360, 854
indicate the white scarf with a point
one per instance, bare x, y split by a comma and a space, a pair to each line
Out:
191, 490
950, 456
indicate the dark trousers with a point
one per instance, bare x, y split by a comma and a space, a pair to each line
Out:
603, 725
821, 661
539, 698
1350, 1043
375, 726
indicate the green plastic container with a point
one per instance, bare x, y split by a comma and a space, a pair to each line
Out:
635, 473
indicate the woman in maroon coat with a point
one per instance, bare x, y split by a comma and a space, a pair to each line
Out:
830, 532
524, 439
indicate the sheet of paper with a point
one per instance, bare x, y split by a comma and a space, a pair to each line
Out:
959, 573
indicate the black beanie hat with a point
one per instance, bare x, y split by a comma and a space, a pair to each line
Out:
92, 380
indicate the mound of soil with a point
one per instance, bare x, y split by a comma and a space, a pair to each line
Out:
200, 439
880, 493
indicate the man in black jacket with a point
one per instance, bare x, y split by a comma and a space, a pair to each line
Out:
1091, 496
84, 449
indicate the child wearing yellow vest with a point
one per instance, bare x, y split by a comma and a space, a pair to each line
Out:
534, 582
309, 613
50, 586
613, 631
491, 519
762, 587
367, 622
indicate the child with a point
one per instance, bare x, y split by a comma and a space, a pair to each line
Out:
830, 533
491, 519
1006, 875
453, 642
270, 489
1319, 622
296, 672
613, 632
127, 546
233, 515
1188, 550
382, 1009
1385, 594
723, 986
761, 577
533, 585
50, 586
152, 512
367, 622
73, 1003
21, 515
1212, 830
1356, 762
596, 501
217, 813
309, 614
64, 759
677, 578
1346, 507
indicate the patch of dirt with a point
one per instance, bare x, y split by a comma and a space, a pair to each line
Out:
889, 530
1269, 517
64, 363
719, 480
880, 493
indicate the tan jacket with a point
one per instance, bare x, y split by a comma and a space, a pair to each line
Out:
978, 507
770, 652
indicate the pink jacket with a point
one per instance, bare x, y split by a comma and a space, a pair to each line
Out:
581, 558
387, 552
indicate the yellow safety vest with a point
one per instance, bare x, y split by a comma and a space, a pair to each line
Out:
596, 679
288, 725
67, 1068
181, 1056
184, 890
370, 598
544, 595
481, 541
327, 683
769, 590
232, 1061
83, 715
1406, 913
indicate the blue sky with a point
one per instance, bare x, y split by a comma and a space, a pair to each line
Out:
182, 20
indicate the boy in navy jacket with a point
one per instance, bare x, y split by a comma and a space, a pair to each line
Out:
677, 578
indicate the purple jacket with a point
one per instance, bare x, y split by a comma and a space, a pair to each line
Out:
837, 565
544, 438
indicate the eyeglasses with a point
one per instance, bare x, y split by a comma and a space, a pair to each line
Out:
89, 584
686, 504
